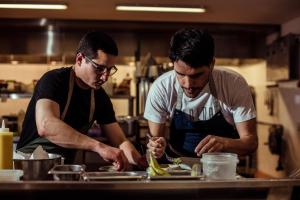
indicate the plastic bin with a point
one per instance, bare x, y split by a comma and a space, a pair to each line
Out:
219, 165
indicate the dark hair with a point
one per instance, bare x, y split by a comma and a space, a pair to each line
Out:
192, 46
91, 42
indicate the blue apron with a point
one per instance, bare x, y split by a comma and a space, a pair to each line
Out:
185, 133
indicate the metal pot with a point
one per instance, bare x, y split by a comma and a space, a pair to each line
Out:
37, 169
129, 125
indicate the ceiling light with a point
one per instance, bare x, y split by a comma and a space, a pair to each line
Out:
147, 8
33, 6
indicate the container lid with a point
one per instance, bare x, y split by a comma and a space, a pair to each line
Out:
219, 157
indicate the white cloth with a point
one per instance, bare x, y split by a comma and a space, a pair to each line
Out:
233, 93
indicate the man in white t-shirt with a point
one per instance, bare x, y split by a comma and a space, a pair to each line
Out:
210, 110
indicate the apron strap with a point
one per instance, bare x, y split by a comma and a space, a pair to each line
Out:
213, 90
70, 92
92, 105
179, 98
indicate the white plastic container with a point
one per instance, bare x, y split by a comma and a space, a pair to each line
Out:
219, 165
10, 174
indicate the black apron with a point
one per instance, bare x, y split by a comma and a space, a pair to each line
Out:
185, 133
50, 147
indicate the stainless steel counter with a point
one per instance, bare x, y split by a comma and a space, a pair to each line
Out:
270, 189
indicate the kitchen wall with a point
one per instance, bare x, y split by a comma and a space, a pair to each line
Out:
255, 75
26, 73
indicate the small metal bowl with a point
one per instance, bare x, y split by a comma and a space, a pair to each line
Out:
67, 172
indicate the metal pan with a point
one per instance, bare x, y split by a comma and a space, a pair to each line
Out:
67, 172
113, 176
177, 175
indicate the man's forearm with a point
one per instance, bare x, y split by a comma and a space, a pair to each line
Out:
64, 135
156, 129
240, 146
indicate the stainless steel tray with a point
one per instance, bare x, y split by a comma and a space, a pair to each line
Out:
112, 176
67, 172
177, 175
108, 168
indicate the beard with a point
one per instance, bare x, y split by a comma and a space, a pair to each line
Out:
191, 92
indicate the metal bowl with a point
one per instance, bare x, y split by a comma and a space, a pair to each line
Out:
37, 169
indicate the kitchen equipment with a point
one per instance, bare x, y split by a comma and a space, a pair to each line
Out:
107, 168
37, 169
110, 176
177, 175
67, 172
129, 125
10, 175
143, 85
283, 58
275, 142
219, 165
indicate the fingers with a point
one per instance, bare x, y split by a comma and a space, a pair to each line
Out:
210, 144
116, 156
157, 146
120, 162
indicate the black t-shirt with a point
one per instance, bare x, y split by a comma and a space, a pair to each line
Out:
54, 85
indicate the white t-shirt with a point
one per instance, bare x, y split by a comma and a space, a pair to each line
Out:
233, 93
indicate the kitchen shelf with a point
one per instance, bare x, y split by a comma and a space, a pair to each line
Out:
15, 95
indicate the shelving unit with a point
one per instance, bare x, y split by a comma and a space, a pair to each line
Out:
4, 96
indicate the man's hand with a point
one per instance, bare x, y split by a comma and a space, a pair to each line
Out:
210, 143
114, 155
142, 163
157, 146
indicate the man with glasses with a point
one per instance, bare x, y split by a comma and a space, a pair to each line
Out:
211, 110
67, 101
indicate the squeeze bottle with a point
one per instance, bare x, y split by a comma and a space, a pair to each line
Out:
6, 148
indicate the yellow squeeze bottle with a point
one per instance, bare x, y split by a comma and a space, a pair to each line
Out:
6, 148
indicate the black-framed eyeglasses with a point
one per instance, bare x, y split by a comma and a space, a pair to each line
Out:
102, 68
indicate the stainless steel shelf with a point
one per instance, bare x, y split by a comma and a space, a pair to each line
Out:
4, 96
